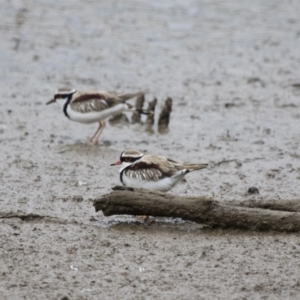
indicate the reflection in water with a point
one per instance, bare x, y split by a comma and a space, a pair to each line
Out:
159, 223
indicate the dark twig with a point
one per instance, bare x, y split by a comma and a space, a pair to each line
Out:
136, 116
151, 110
164, 117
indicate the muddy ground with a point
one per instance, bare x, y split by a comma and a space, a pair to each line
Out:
232, 69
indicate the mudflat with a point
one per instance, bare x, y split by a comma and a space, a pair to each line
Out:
232, 69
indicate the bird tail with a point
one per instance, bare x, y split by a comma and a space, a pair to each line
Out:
126, 97
194, 167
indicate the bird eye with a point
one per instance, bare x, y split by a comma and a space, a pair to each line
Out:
128, 159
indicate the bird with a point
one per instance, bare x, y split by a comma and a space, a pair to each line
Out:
152, 172
93, 106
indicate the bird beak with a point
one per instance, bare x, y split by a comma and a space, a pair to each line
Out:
116, 163
51, 101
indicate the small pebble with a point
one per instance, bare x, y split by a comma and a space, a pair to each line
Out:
253, 190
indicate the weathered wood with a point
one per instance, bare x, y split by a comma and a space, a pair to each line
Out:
203, 210
151, 109
136, 116
164, 116
281, 205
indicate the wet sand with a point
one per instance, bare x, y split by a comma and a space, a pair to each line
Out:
232, 70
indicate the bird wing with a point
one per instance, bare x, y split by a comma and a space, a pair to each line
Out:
153, 168
94, 101
98, 100
148, 174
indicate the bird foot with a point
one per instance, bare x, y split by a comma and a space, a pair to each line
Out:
94, 142
143, 218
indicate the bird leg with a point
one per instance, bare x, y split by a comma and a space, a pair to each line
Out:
100, 125
95, 138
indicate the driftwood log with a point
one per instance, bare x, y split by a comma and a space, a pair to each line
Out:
129, 201
281, 205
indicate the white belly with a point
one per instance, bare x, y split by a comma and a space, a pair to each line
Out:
162, 185
95, 116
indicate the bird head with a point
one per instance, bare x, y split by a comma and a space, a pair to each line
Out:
62, 95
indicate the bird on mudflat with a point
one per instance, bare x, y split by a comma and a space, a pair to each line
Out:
93, 106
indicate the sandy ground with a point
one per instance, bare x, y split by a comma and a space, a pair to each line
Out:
232, 69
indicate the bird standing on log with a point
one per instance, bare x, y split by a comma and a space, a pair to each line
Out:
152, 172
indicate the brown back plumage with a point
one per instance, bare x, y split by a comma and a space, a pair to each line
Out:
98, 100
194, 167
168, 166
